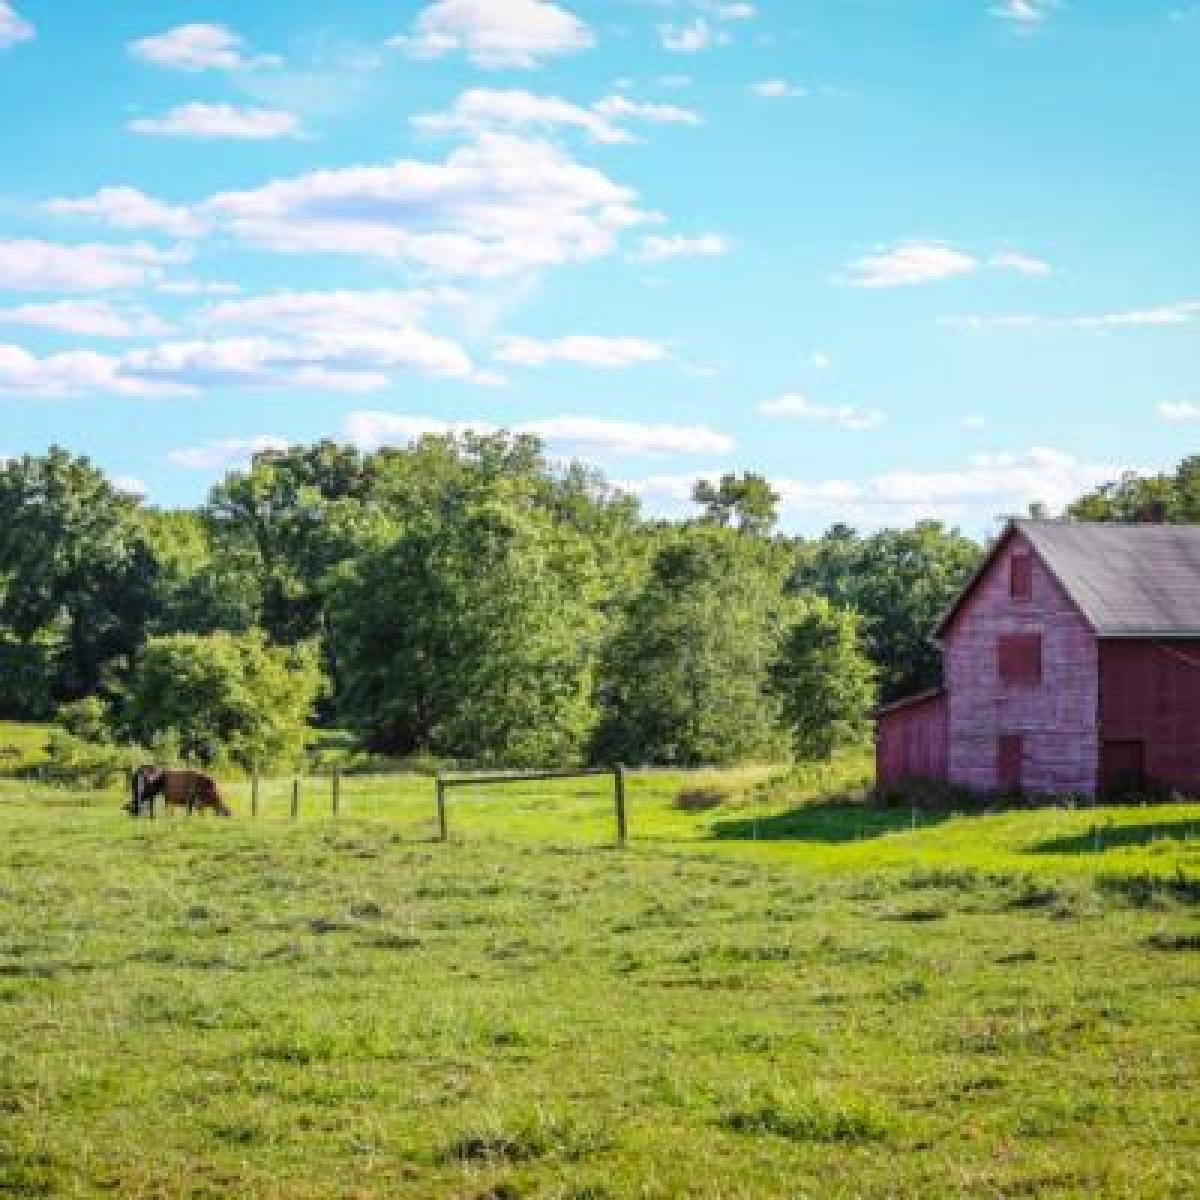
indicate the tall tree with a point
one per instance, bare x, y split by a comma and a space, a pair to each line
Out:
746, 502
824, 680
686, 677
899, 581
473, 634
77, 575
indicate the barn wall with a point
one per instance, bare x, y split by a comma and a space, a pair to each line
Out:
1150, 693
910, 742
1056, 716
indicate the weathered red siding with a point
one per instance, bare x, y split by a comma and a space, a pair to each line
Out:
910, 741
1150, 693
1056, 717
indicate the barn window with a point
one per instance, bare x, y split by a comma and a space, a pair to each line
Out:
1020, 658
1020, 578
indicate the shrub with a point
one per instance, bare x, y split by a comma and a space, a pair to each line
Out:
74, 762
222, 698
89, 719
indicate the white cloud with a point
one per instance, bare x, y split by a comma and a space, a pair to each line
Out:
199, 47
1025, 14
198, 287
496, 33
582, 350
495, 207
656, 248
87, 318
819, 360
911, 263
842, 416
776, 89
1023, 264
127, 208
480, 109
974, 421
198, 120
564, 435
13, 27
226, 452
1166, 315
131, 485
27, 265
1179, 411
736, 12
691, 38
71, 373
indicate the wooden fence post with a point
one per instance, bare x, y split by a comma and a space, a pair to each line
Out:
295, 798
337, 791
619, 789
443, 835
254, 792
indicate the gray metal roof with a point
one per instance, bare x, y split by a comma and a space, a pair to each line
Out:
1127, 580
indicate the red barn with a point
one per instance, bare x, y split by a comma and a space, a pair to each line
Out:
1071, 662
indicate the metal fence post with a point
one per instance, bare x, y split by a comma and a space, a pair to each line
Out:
441, 809
254, 792
337, 791
619, 788
295, 798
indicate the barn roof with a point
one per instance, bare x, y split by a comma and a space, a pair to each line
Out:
1126, 580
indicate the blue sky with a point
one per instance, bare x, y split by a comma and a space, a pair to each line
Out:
906, 257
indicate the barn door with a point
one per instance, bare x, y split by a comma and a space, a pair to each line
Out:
1123, 766
1010, 752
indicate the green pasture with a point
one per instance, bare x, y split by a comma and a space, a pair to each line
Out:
774, 991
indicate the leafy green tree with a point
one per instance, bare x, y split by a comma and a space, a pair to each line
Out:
824, 681
472, 634
747, 502
199, 588
222, 697
900, 582
686, 676
286, 522
1169, 497
77, 579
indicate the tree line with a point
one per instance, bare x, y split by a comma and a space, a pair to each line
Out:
467, 598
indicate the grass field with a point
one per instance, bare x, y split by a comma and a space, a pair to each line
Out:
781, 996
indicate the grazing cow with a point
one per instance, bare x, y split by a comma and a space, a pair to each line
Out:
192, 790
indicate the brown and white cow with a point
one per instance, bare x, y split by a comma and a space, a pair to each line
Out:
192, 790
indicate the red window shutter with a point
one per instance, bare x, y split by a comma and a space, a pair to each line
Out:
1019, 658
1020, 578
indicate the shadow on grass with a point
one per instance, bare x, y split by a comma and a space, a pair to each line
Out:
1103, 837
833, 822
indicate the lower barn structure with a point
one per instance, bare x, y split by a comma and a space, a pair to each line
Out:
1071, 663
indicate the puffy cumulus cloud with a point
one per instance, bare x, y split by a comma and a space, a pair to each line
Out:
842, 416
199, 47
498, 206
987, 486
480, 109
209, 121
75, 372
29, 265
222, 453
659, 248
495, 34
128, 208
85, 318
198, 287
14, 28
1179, 411
776, 89
581, 350
910, 263
595, 436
